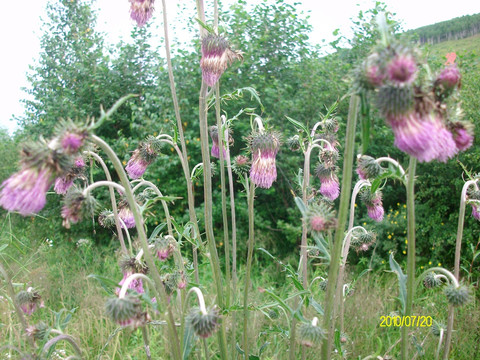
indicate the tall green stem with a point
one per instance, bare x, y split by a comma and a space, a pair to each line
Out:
142, 236
456, 271
411, 251
181, 136
330, 300
251, 241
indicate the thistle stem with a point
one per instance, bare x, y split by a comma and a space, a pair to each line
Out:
251, 240
112, 198
97, 184
159, 288
123, 290
391, 161
18, 311
411, 251
65, 337
146, 344
186, 170
164, 203
456, 271
330, 300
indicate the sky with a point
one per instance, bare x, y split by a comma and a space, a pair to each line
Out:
20, 31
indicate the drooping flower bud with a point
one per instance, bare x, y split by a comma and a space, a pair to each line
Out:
293, 143
126, 311
437, 328
106, 219
457, 296
141, 11
320, 217
310, 335
62, 184
431, 280
130, 266
216, 57
264, 147
204, 324
367, 167
241, 165
164, 246
446, 82
76, 206
462, 134
29, 300
373, 203
215, 147
363, 240
38, 331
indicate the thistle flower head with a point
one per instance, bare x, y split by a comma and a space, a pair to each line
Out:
62, 185
457, 296
373, 201
447, 81
367, 167
476, 211
29, 300
363, 241
141, 11
241, 165
106, 219
164, 247
216, 57
369, 75
437, 328
172, 281
310, 335
264, 147
76, 206
293, 143
394, 101
126, 311
462, 134
330, 125
330, 187
38, 331
320, 217
135, 284
204, 324
431, 280
132, 265
323, 285
126, 215
213, 130
402, 69
25, 191
72, 141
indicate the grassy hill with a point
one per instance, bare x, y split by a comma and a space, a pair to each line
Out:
466, 46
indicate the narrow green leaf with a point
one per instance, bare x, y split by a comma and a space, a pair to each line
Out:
301, 206
402, 280
189, 339
316, 306
298, 124
107, 284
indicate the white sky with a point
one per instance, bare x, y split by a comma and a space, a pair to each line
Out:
20, 30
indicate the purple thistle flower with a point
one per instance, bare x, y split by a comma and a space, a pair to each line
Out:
264, 149
137, 165
135, 284
71, 142
402, 69
216, 56
70, 215
25, 191
463, 139
29, 301
476, 211
444, 143
80, 162
414, 136
374, 204
449, 77
215, 148
62, 185
330, 187
126, 215
141, 11
317, 223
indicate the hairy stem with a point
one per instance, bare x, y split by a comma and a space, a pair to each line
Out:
411, 251
330, 300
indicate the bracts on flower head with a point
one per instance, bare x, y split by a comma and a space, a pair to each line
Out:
320, 217
310, 334
373, 201
29, 300
76, 206
367, 167
129, 266
143, 156
264, 147
62, 184
125, 214
330, 187
213, 130
126, 311
216, 57
164, 246
204, 323
141, 11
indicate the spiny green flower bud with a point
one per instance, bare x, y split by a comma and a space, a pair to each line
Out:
38, 331
273, 314
437, 328
106, 219
204, 325
431, 280
29, 300
320, 217
457, 296
330, 125
132, 265
323, 285
310, 335
393, 100
293, 143
126, 311
368, 168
